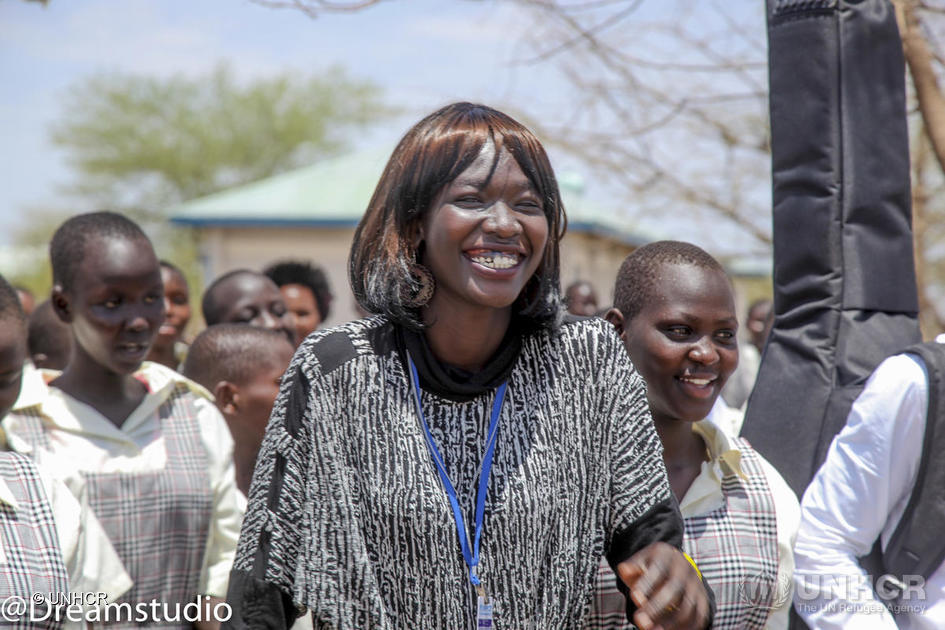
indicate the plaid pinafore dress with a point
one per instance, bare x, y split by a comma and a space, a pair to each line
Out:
157, 521
736, 547
31, 562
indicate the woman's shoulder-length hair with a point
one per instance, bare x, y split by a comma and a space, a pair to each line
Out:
431, 155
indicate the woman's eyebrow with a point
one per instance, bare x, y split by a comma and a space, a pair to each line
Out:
479, 183
476, 182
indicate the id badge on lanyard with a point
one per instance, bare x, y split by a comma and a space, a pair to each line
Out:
484, 603
483, 612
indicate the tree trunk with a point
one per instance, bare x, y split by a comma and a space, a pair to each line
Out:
928, 92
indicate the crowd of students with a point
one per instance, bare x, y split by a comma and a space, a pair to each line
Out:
609, 503
130, 465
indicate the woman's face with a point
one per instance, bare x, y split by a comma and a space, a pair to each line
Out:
683, 342
176, 307
115, 304
300, 300
484, 235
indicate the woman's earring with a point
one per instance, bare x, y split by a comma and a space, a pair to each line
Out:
421, 287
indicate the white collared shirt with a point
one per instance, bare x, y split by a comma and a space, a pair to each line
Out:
728, 418
90, 560
82, 440
705, 495
859, 494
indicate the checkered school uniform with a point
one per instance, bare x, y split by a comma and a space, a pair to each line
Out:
735, 545
157, 521
30, 557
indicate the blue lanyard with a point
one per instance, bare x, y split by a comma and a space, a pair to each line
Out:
471, 556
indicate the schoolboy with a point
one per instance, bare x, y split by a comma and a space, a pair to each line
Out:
244, 296
242, 367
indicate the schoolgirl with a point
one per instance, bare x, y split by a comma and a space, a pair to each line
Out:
152, 458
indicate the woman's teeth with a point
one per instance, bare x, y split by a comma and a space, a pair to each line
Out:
496, 260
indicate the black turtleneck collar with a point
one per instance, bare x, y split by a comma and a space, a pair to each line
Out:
455, 383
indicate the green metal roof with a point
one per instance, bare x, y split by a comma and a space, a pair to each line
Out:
336, 191
333, 191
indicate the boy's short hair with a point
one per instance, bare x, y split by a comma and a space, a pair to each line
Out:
639, 274
210, 305
166, 264
67, 247
231, 352
10, 308
305, 274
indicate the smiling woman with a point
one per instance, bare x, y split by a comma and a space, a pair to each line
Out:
466, 455
451, 161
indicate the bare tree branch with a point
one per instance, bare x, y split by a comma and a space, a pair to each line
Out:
582, 34
687, 131
313, 8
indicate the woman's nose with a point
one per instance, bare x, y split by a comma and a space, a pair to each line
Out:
502, 221
704, 352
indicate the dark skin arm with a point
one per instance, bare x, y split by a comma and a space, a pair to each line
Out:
668, 592
209, 623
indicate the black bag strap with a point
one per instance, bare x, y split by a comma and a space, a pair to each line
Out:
917, 547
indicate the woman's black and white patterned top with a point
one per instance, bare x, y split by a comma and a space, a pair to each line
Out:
347, 515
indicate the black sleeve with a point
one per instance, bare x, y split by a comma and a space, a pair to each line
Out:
257, 605
662, 522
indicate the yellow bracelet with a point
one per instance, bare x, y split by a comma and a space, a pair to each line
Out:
693, 563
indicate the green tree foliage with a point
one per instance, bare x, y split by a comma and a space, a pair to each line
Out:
142, 143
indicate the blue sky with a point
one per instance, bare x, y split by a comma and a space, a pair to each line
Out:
424, 52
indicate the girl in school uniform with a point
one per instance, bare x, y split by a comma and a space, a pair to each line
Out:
51, 546
675, 312
151, 456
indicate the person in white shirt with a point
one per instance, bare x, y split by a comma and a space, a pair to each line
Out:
152, 457
51, 546
241, 367
858, 496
